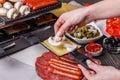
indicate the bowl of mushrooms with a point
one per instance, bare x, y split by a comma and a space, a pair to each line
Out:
13, 10
86, 34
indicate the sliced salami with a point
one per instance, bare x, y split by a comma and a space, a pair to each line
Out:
47, 67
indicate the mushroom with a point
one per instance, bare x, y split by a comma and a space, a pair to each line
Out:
17, 5
7, 5
24, 10
0, 5
53, 42
12, 13
15, 0
57, 38
3, 11
70, 47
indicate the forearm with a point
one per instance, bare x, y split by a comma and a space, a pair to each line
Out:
117, 75
104, 9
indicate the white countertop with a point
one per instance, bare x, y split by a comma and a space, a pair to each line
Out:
20, 65
28, 55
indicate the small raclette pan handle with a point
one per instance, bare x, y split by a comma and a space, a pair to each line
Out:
80, 58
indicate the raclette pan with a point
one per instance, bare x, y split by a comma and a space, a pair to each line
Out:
80, 58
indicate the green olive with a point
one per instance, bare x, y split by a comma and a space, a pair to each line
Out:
87, 31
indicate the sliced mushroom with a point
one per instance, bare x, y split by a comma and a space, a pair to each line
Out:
70, 47
53, 42
15, 0
3, 11
24, 10
17, 5
57, 38
7, 5
0, 5
12, 13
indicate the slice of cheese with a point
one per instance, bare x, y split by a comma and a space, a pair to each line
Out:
65, 8
58, 50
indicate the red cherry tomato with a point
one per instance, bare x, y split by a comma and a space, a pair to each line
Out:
93, 47
88, 4
109, 29
2, 1
117, 33
109, 20
113, 26
118, 19
116, 24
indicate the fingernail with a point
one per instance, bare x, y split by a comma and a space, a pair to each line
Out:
88, 61
58, 34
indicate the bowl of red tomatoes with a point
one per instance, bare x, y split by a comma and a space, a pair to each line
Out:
113, 27
94, 48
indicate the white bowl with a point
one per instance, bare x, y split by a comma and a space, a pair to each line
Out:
97, 53
85, 41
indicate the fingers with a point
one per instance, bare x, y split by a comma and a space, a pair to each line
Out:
86, 73
62, 28
58, 24
72, 29
63, 25
97, 61
93, 66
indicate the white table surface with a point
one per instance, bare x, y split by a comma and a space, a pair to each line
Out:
20, 65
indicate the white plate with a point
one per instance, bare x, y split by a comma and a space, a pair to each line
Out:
85, 41
102, 26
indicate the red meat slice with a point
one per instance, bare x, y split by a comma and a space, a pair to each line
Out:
42, 70
65, 78
42, 66
42, 73
41, 60
53, 77
48, 55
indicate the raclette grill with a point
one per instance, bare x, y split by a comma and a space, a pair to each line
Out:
5, 22
22, 39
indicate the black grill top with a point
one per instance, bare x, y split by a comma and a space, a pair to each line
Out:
5, 22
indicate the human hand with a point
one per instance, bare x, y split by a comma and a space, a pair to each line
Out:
70, 21
101, 72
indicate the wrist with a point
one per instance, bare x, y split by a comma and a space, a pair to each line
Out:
118, 75
90, 13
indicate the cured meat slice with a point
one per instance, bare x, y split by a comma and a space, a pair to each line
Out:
63, 62
43, 73
68, 60
51, 67
41, 60
76, 77
53, 77
48, 55
37, 4
65, 78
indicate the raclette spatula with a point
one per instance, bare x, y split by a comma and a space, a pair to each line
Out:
80, 58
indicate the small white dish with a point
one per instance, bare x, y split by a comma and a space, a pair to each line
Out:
95, 54
85, 41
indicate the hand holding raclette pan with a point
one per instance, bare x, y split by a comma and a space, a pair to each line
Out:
80, 58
